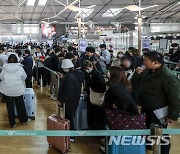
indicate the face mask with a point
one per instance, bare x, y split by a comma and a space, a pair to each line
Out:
120, 56
66, 70
89, 71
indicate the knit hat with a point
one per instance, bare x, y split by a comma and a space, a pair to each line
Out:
67, 63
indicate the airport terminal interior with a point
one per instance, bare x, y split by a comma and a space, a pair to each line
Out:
89, 65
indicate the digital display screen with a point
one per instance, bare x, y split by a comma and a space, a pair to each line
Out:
82, 45
48, 30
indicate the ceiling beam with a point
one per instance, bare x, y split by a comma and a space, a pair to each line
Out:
24, 11
101, 9
171, 7
34, 7
167, 6
173, 14
44, 8
136, 3
109, 9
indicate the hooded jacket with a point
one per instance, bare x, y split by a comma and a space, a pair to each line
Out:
12, 80
70, 89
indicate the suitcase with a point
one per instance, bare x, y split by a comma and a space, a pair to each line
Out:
127, 149
80, 119
29, 101
56, 123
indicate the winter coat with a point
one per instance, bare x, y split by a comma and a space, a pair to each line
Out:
175, 57
70, 89
12, 80
158, 89
54, 62
119, 96
28, 65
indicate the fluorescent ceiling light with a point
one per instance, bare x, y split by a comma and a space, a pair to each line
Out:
86, 12
31, 2
42, 2
112, 12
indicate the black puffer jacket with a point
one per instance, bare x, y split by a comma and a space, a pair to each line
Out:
70, 89
119, 96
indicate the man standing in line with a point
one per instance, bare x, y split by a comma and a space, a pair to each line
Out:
104, 58
158, 93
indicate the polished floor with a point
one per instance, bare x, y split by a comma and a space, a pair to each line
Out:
38, 145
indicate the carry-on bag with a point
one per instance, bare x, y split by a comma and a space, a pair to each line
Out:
80, 119
121, 120
55, 122
29, 101
126, 145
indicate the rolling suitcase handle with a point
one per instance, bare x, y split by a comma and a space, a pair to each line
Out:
59, 107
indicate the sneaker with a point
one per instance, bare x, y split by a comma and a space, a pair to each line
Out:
102, 149
25, 123
54, 98
72, 139
14, 126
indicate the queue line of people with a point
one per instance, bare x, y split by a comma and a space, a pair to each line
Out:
124, 82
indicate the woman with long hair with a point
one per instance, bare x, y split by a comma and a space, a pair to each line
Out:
95, 87
118, 96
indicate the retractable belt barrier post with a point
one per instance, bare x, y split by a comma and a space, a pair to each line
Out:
157, 131
55, 81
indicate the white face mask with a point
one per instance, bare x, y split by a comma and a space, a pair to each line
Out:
120, 56
89, 71
66, 70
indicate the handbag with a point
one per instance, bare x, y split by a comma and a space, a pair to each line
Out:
96, 98
121, 120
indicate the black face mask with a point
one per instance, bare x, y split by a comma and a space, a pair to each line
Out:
126, 68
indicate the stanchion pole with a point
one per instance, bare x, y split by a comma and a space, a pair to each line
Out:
37, 72
157, 132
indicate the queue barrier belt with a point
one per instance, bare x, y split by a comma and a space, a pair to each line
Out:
38, 133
